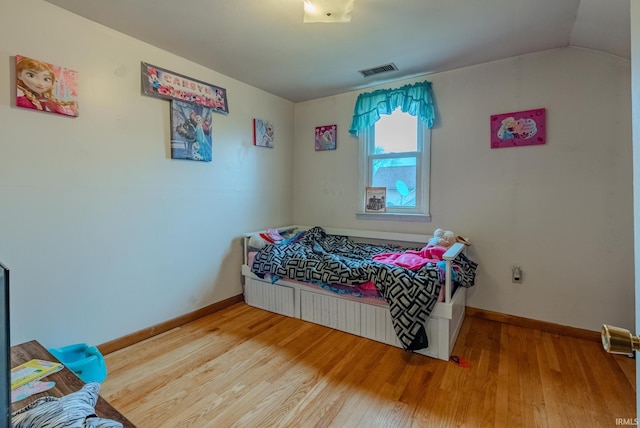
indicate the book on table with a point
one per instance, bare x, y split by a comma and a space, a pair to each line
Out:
32, 370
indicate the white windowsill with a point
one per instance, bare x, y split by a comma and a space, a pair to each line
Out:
393, 216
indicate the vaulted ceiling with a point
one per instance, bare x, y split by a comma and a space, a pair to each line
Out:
266, 44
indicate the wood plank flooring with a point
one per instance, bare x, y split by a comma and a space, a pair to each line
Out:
244, 367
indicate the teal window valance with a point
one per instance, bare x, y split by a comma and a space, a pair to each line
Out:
416, 99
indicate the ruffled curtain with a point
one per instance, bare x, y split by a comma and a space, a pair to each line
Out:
416, 99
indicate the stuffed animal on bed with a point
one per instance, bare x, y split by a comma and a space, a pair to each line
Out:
446, 238
442, 238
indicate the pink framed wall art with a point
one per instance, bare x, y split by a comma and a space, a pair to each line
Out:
46, 87
326, 137
522, 128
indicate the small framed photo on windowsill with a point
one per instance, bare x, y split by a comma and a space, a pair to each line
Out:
376, 200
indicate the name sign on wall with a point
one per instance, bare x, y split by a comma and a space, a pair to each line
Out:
160, 83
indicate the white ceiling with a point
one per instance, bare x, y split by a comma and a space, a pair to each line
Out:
264, 43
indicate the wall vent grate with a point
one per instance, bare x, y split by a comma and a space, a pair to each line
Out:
379, 69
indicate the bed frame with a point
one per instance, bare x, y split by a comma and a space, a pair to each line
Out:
373, 321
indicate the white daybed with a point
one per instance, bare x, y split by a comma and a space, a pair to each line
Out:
370, 320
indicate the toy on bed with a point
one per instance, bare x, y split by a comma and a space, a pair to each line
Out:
446, 238
410, 279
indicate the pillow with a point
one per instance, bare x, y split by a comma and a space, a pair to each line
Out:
274, 235
257, 241
75, 410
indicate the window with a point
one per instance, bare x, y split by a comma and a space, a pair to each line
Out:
395, 149
395, 153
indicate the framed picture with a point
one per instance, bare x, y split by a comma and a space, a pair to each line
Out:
263, 133
376, 200
326, 137
191, 131
46, 87
522, 128
160, 83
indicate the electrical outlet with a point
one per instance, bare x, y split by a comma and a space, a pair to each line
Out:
516, 275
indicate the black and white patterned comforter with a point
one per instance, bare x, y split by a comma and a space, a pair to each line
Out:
334, 259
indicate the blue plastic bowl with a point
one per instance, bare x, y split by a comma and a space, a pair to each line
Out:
85, 361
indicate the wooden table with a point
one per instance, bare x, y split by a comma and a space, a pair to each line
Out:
66, 381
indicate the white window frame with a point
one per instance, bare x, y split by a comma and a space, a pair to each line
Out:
420, 212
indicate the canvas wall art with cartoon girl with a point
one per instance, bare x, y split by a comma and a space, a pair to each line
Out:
263, 133
46, 87
326, 137
522, 128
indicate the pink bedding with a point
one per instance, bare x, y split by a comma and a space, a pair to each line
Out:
412, 259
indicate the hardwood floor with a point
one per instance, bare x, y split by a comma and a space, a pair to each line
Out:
246, 367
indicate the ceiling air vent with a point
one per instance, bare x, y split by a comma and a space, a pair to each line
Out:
379, 69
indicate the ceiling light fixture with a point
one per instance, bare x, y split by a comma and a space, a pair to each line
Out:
327, 11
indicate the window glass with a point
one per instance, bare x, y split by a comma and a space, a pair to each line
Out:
396, 133
398, 175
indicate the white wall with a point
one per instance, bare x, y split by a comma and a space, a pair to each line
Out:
562, 211
103, 232
635, 92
